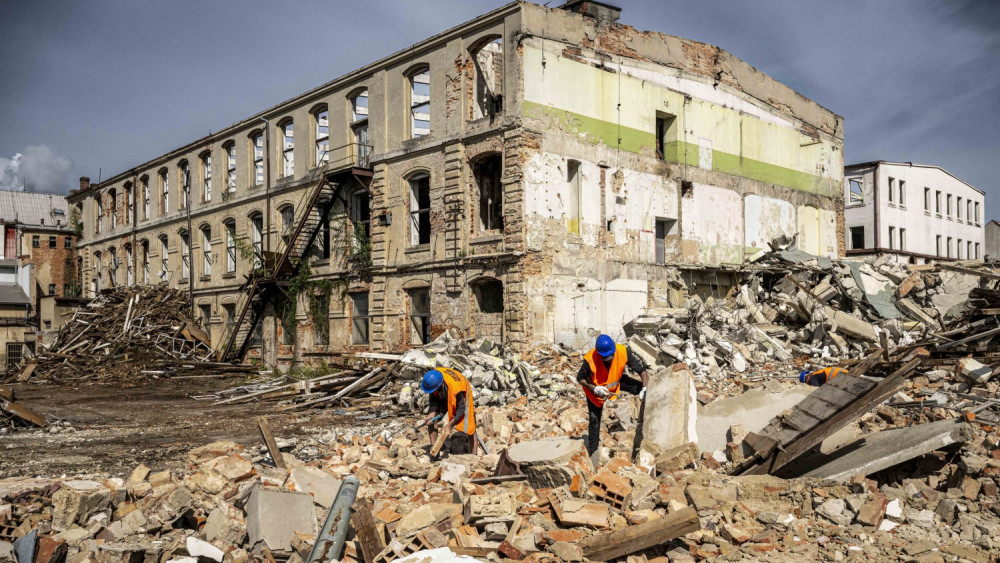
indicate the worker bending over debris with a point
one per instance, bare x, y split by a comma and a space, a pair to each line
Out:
450, 393
820, 376
601, 375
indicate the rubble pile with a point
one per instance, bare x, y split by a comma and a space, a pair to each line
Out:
536, 497
123, 334
498, 375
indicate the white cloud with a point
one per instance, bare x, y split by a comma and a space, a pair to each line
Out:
37, 169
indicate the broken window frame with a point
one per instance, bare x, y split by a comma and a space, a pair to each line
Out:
99, 271
257, 237
230, 149
129, 203
321, 131
184, 183
286, 129
113, 200
99, 224
112, 266
185, 256
857, 234
206, 176
420, 320
287, 215
420, 209
574, 189
360, 319
487, 98
419, 80
230, 227
664, 227
145, 261
68, 243
361, 214
145, 197
15, 354
164, 258
491, 212
855, 196
206, 251
486, 291
666, 132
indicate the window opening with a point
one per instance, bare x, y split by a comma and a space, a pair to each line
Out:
322, 118
573, 188
486, 172
359, 318
420, 210
420, 316
420, 103
488, 62
288, 149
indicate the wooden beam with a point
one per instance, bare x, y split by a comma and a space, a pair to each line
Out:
612, 545
272, 446
824, 430
364, 527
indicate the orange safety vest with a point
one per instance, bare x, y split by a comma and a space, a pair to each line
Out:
456, 383
608, 377
830, 372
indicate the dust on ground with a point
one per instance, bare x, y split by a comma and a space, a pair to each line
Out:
114, 428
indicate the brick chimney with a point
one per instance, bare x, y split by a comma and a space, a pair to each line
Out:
603, 13
84, 183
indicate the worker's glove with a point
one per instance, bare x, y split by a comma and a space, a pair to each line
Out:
642, 394
602, 391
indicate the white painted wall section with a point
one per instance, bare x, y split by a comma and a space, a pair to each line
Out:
713, 218
766, 219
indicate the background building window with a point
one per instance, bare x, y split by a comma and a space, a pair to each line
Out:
420, 209
145, 197
36, 241
257, 237
113, 199
486, 173
231, 167
185, 256
287, 222
257, 145
164, 273
206, 251
892, 190
359, 128
420, 102
488, 63
420, 316
322, 119
927, 200
359, 318
184, 181
129, 272
206, 176
230, 246
52, 242
145, 261
361, 214
287, 148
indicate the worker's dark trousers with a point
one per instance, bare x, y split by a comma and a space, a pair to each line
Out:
594, 413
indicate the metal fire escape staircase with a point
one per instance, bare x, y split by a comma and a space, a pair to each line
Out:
293, 251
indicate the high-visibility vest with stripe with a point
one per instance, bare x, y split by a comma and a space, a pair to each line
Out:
826, 374
456, 383
606, 376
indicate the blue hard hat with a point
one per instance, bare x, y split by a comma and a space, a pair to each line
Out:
432, 381
605, 346
804, 375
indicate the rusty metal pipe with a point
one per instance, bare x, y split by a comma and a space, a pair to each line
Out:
330, 540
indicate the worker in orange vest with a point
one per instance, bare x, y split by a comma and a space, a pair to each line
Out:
602, 375
450, 393
820, 376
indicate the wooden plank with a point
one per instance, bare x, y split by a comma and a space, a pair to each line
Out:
619, 543
26, 373
834, 395
439, 443
852, 384
364, 527
967, 339
818, 408
6, 393
814, 437
801, 420
272, 446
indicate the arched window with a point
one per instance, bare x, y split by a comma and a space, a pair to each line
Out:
487, 59
98, 271
206, 176
359, 128
206, 250
257, 236
129, 273
230, 149
129, 202
184, 182
164, 191
420, 101
144, 182
230, 226
113, 266
113, 203
321, 119
486, 174
185, 255
257, 148
420, 208
287, 131
164, 258
287, 221
144, 249
99, 204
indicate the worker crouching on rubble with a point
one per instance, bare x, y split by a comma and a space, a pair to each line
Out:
820, 376
450, 395
601, 376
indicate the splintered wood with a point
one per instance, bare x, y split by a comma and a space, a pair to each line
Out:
126, 334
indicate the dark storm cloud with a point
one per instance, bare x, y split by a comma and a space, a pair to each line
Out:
110, 84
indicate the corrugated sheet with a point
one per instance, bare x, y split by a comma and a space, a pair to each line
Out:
31, 208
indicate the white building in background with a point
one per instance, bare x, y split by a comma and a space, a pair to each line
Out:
914, 212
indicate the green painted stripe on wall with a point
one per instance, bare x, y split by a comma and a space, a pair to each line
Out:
635, 140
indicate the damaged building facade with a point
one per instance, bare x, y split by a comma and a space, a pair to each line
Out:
533, 175
914, 213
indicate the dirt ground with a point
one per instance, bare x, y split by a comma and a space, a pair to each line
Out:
155, 423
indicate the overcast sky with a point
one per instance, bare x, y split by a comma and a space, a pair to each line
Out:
108, 84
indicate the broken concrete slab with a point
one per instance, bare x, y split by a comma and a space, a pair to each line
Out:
546, 462
975, 370
314, 481
202, 549
76, 501
882, 450
752, 410
850, 325
274, 516
669, 410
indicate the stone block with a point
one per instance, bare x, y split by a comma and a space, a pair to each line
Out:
313, 481
274, 516
170, 504
159, 479
225, 525
676, 459
578, 512
669, 411
425, 516
211, 451
493, 506
547, 462
232, 467
76, 501
873, 511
